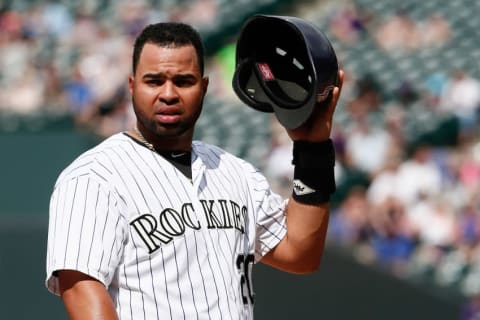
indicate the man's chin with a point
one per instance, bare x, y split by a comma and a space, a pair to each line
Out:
171, 131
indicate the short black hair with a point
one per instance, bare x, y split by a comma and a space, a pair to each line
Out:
172, 34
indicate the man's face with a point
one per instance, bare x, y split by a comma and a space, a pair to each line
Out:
167, 92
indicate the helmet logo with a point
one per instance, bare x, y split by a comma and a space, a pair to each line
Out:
266, 72
323, 93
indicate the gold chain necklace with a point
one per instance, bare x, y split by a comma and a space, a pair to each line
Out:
173, 155
143, 140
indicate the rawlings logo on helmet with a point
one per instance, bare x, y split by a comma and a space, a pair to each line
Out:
323, 94
266, 71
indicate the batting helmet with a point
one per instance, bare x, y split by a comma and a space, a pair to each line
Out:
284, 65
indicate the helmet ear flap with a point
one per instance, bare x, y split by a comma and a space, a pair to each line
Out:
247, 87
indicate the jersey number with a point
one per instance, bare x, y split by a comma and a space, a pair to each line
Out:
245, 265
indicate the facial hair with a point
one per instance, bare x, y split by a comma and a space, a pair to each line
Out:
167, 131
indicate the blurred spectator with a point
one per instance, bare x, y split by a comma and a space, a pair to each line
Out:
133, 16
468, 173
433, 219
434, 87
114, 115
347, 23
58, 21
25, 95
84, 33
406, 93
418, 177
435, 31
366, 98
384, 184
16, 48
395, 123
79, 95
468, 226
350, 224
54, 102
398, 33
461, 97
105, 66
393, 239
200, 13
462, 92
401, 33
367, 146
471, 309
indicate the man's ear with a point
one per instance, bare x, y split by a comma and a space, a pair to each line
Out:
131, 83
205, 81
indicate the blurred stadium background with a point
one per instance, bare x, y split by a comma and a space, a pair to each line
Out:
405, 226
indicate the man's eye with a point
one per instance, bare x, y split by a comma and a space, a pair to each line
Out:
184, 82
154, 82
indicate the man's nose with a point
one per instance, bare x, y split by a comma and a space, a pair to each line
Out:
168, 93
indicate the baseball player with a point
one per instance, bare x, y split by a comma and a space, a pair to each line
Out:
152, 225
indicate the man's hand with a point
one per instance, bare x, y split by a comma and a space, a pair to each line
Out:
319, 126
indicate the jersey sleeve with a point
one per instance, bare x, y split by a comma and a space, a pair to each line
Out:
85, 232
270, 216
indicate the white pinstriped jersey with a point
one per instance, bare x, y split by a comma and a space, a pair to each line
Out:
166, 247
